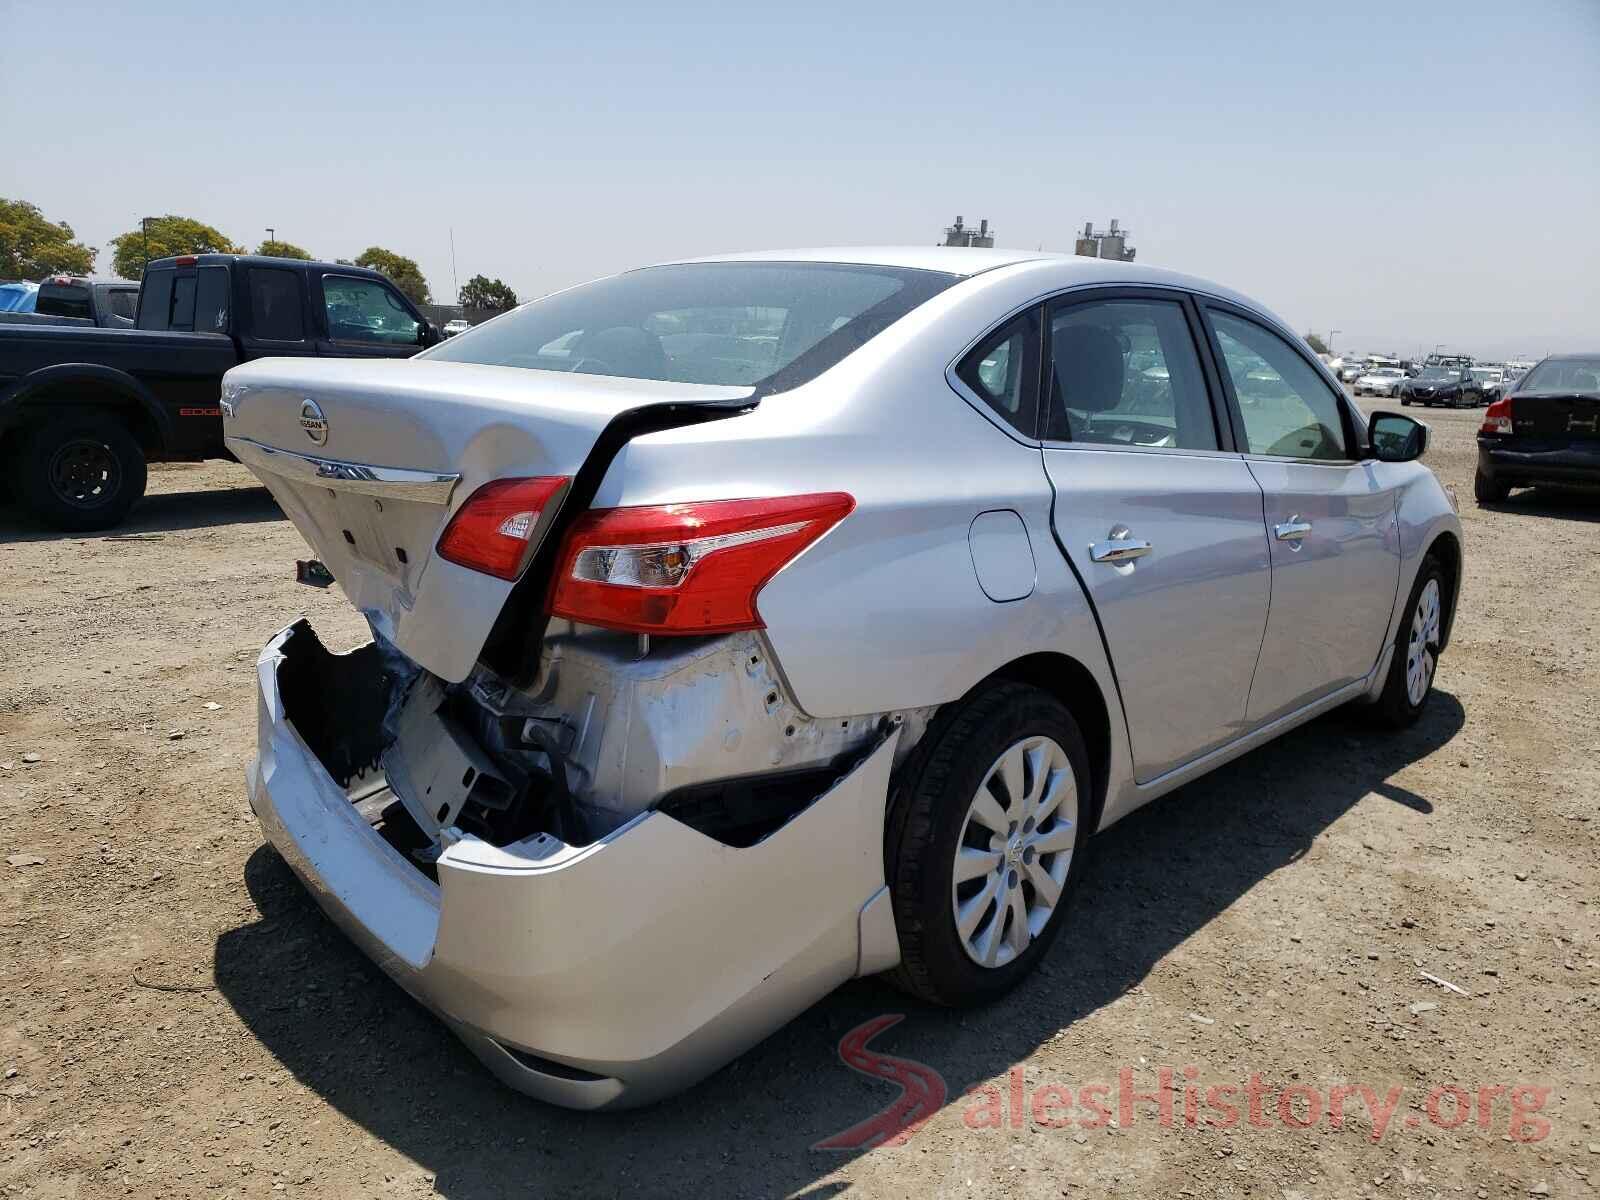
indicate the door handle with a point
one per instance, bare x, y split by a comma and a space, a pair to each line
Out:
1120, 546
1292, 530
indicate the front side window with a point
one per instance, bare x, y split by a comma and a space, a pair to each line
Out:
741, 323
1003, 370
275, 304
364, 310
1125, 373
1287, 408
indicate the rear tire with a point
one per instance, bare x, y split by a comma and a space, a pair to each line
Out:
1487, 490
81, 472
1416, 650
1009, 756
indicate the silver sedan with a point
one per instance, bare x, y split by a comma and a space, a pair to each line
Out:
743, 626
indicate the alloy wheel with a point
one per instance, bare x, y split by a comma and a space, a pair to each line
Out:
1014, 851
1424, 644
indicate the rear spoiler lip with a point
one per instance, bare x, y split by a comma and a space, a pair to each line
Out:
512, 648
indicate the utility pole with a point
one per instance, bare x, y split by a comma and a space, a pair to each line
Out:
1333, 333
454, 278
144, 228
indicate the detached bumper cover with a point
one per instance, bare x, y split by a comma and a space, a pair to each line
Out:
598, 976
1576, 464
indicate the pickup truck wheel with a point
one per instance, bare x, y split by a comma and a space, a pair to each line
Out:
81, 473
1416, 650
985, 844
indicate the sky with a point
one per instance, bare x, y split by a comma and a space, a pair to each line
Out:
1407, 172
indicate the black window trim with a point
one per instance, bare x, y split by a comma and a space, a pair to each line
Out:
387, 284
1355, 427
1227, 441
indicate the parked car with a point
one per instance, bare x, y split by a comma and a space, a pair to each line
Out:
79, 300
1380, 381
459, 325
1491, 379
1453, 387
82, 411
1350, 370
1546, 430
712, 669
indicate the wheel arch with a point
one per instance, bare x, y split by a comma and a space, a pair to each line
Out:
1446, 547
1072, 683
47, 393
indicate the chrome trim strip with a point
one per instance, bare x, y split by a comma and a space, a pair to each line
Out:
394, 483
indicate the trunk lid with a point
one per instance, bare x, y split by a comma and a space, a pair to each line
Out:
1556, 416
370, 459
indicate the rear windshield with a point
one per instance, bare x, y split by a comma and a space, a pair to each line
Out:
773, 324
1563, 375
63, 300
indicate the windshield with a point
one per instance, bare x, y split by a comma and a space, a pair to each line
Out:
1485, 375
1388, 372
1438, 373
1563, 375
776, 324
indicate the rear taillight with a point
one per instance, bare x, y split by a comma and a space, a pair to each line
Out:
497, 530
1497, 417
685, 568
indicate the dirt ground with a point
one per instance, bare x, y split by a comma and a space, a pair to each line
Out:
178, 1019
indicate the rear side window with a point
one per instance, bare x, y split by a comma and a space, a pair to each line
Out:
275, 308
155, 299
776, 325
1003, 370
211, 300
1126, 373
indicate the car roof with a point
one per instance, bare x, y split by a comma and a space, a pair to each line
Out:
1066, 270
267, 260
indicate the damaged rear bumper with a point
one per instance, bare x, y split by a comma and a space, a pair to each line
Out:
596, 976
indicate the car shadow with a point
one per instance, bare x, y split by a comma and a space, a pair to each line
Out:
164, 512
1153, 880
1568, 504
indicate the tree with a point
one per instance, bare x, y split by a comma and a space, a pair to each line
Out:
273, 248
162, 237
32, 247
482, 292
1318, 346
403, 272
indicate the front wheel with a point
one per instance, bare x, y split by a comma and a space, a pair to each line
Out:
1416, 650
985, 842
81, 472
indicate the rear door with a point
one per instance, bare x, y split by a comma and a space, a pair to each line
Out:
1330, 517
1159, 517
364, 318
275, 302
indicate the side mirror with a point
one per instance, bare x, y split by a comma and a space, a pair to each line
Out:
428, 334
1396, 438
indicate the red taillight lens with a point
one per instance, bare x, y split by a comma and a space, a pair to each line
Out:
497, 530
685, 568
1497, 417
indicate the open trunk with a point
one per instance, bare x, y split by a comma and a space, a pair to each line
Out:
371, 459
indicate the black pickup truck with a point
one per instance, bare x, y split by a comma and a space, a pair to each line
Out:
83, 410
78, 300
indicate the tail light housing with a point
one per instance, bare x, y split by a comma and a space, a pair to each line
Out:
685, 568
499, 527
1497, 417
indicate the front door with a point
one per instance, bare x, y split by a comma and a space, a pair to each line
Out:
1330, 520
1159, 522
